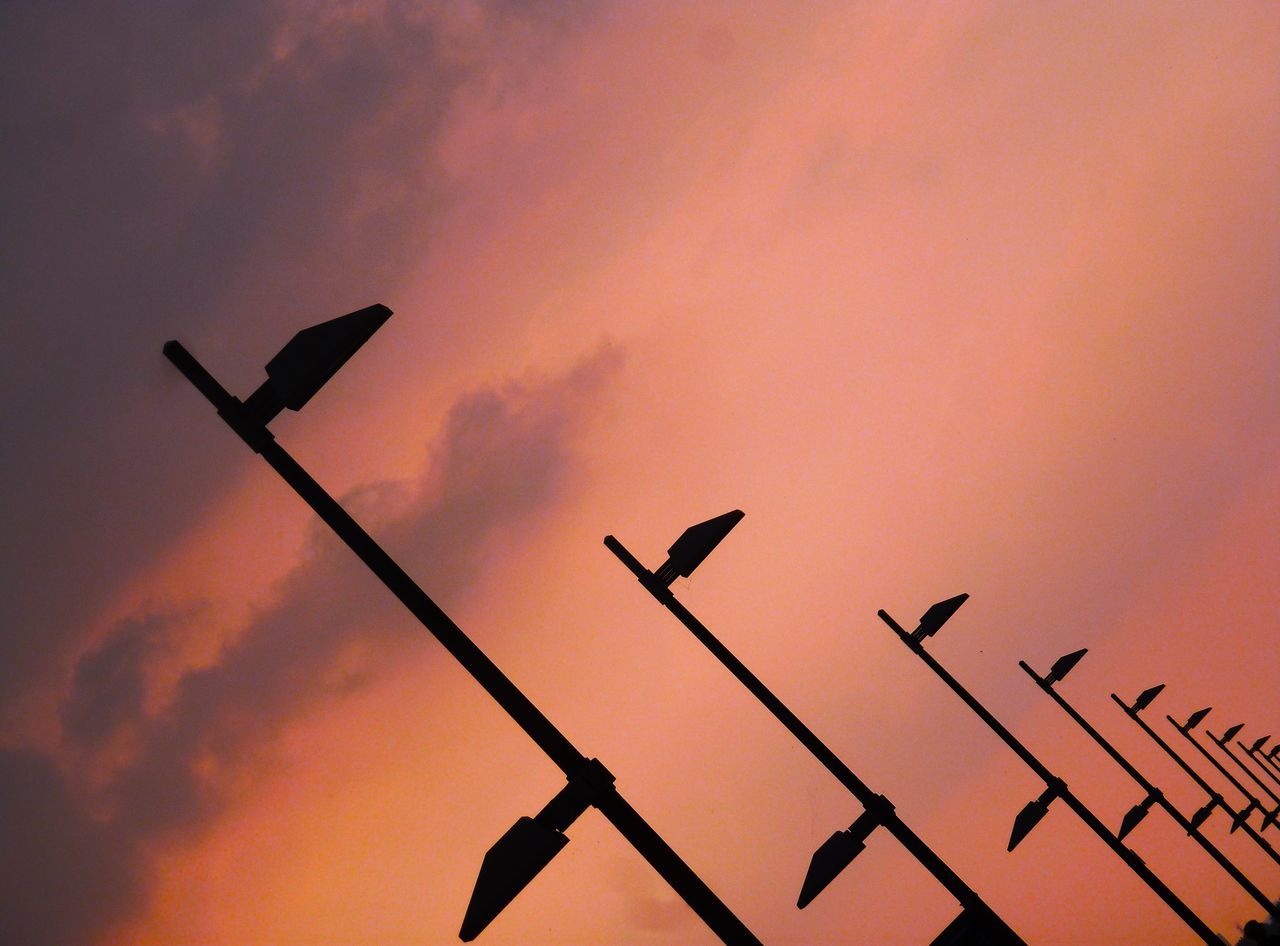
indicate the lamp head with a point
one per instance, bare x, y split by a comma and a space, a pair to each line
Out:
1230, 734
937, 615
1064, 665
835, 854
1195, 719
1145, 697
695, 544
310, 359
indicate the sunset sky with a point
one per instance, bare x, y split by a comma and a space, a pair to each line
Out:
947, 297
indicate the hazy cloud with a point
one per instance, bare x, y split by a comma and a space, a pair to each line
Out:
503, 456
155, 159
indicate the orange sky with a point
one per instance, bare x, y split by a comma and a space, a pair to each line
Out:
946, 296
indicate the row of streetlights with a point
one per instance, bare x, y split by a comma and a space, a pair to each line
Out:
298, 371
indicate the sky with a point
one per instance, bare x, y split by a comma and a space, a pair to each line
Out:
947, 297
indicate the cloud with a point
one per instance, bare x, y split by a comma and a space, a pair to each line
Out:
65, 875
504, 456
193, 172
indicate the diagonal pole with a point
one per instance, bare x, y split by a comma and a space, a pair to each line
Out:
1263, 762
1154, 796
1253, 800
1057, 788
576, 767
1221, 743
874, 803
1239, 817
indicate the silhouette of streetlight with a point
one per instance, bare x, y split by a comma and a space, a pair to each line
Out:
930, 623
1186, 730
293, 376
1263, 760
977, 923
1239, 817
1154, 797
1251, 753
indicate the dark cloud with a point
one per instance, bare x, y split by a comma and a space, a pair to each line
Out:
66, 876
189, 171
503, 457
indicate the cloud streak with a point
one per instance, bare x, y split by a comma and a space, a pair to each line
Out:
504, 456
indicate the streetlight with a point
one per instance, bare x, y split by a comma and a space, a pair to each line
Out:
1239, 817
977, 923
293, 376
930, 623
1186, 729
1154, 795
1264, 760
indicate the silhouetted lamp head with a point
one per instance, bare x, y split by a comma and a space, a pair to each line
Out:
516, 858
1258, 744
311, 358
1133, 817
1227, 736
1145, 698
694, 545
1202, 815
1064, 665
1195, 719
834, 855
937, 615
1241, 816
1030, 816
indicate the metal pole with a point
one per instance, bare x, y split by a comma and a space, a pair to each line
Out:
968, 898
1253, 800
1238, 817
1154, 795
540, 729
1222, 744
1262, 761
1059, 788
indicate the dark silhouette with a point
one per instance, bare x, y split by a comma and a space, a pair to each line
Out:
1186, 729
977, 922
298, 372
1239, 818
1154, 796
1054, 786
1264, 760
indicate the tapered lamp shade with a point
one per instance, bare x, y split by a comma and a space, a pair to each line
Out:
509, 865
1133, 817
1195, 719
835, 854
311, 358
937, 615
695, 544
1146, 696
1201, 816
1030, 816
1230, 734
1064, 665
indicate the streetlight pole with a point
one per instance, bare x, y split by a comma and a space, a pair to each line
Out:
1155, 796
977, 923
293, 376
1186, 729
1239, 817
1055, 788
1221, 743
1261, 759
